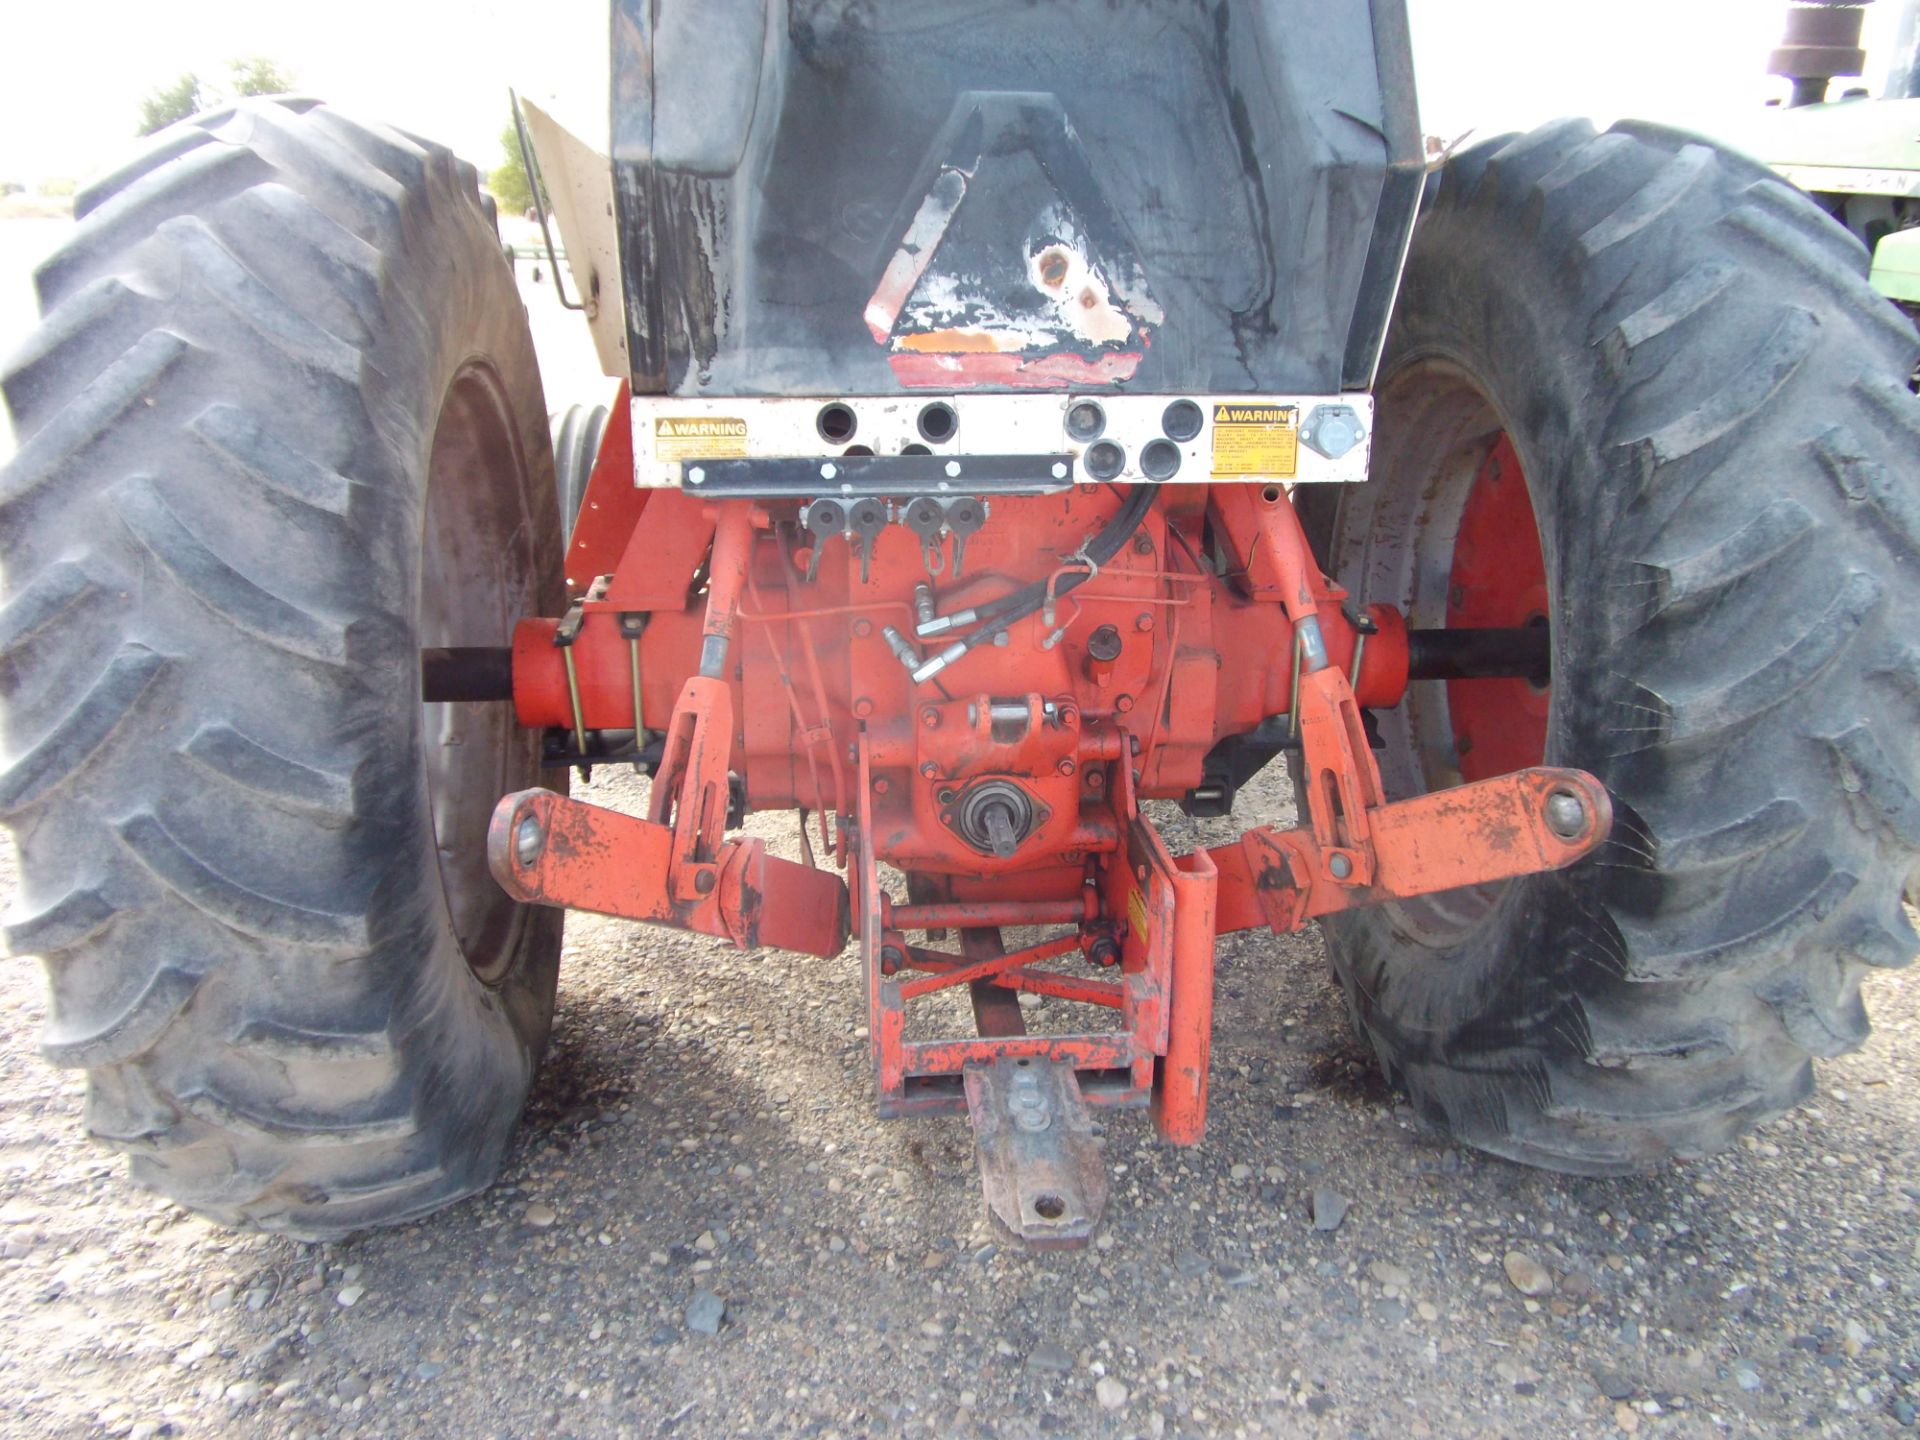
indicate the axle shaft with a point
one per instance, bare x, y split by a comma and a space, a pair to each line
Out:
1524, 652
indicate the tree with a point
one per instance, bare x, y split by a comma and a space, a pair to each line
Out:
258, 75
176, 101
509, 182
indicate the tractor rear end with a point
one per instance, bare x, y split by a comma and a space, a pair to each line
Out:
1019, 429
956, 514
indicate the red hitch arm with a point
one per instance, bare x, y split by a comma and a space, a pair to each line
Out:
676, 867
545, 849
1512, 825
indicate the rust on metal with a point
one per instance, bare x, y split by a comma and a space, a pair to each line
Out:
1040, 1164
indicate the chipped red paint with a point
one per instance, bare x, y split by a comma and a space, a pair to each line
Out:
967, 369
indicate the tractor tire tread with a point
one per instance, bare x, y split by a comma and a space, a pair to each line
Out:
1721, 944
273, 1026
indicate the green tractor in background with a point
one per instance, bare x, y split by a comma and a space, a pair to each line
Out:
1858, 157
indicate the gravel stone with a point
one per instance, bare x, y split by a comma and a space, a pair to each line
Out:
1111, 1394
1527, 1275
1050, 1358
1329, 1208
1389, 1274
705, 1313
1614, 1385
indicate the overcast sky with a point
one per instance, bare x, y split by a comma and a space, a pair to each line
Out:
72, 75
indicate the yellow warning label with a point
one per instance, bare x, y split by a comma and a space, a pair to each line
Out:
704, 437
1256, 441
1137, 910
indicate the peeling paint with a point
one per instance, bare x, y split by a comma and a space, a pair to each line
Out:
1079, 295
1039, 372
910, 261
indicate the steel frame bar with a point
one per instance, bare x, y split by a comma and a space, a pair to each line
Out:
1051, 983
987, 914
966, 974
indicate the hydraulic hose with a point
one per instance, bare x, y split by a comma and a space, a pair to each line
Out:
1002, 614
1008, 609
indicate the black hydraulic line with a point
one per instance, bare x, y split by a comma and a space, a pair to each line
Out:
466, 672
1524, 652
999, 614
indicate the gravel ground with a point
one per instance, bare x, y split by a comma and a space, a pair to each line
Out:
701, 1141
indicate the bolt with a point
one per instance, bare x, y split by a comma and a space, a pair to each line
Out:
930, 718
703, 880
528, 840
863, 707
948, 796
1133, 743
862, 628
1096, 779
1066, 766
1143, 622
890, 959
1143, 544
880, 786
1340, 866
1566, 814
696, 476
930, 771
1068, 715
1123, 703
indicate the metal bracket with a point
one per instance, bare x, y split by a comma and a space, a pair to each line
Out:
538, 183
1040, 1165
890, 476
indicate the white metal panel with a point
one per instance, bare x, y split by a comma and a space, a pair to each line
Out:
580, 185
668, 430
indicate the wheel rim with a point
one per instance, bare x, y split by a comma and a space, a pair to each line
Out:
1447, 531
1498, 580
477, 578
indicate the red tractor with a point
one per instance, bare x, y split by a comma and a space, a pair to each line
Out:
1028, 421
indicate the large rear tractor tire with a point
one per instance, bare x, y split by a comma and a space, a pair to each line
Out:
1637, 390
281, 429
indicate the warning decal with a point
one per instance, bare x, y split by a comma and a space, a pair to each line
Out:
1256, 441
704, 437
